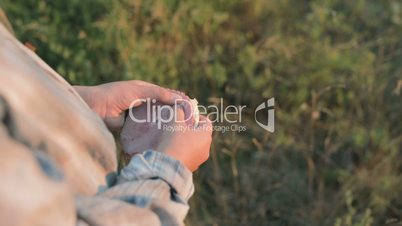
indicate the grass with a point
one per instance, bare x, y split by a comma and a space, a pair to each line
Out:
333, 66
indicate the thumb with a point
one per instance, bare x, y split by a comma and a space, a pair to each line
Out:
114, 123
179, 115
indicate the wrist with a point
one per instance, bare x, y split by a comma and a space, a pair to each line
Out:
181, 158
90, 95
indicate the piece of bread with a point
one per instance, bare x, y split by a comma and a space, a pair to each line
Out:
196, 111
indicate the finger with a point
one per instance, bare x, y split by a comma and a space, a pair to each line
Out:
138, 92
188, 110
170, 97
114, 123
145, 90
163, 93
158, 93
183, 95
180, 116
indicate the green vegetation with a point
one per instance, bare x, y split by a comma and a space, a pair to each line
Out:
334, 67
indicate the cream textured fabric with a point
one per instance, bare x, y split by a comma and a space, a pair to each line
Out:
58, 162
45, 113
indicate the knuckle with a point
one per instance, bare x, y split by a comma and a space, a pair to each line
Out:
161, 93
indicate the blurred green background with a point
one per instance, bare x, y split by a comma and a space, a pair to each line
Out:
333, 66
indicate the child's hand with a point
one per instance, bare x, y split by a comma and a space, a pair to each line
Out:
176, 138
190, 146
110, 100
